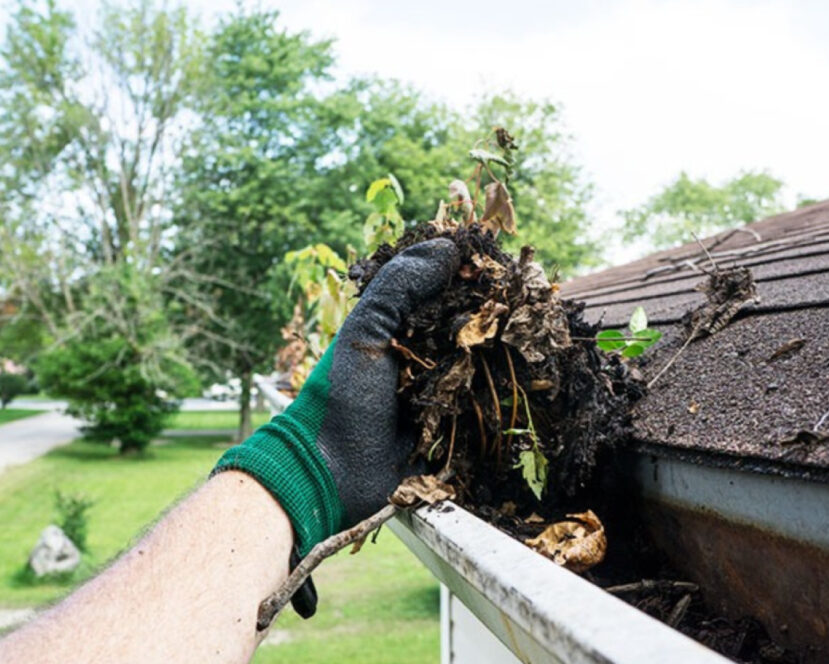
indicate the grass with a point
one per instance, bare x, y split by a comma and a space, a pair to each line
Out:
378, 606
11, 414
375, 607
129, 493
212, 419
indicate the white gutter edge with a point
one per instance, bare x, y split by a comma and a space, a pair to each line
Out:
540, 611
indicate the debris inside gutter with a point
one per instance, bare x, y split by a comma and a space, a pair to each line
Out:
512, 396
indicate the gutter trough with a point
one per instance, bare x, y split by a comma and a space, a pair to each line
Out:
541, 612
756, 543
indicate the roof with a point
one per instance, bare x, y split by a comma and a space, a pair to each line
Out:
758, 390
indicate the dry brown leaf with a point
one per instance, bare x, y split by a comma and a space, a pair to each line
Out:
482, 325
443, 221
454, 382
460, 199
537, 330
577, 545
693, 408
508, 508
489, 264
498, 211
534, 518
426, 488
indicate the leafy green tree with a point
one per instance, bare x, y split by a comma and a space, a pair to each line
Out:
252, 187
121, 372
687, 207
87, 139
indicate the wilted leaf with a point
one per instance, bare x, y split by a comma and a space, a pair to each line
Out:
453, 383
533, 465
498, 211
534, 518
482, 325
426, 488
638, 320
484, 156
577, 544
460, 199
443, 221
537, 330
489, 264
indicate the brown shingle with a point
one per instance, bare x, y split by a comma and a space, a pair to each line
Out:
725, 394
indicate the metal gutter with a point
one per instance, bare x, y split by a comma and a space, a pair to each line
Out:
756, 543
538, 610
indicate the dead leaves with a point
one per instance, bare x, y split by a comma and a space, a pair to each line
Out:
499, 213
482, 325
421, 488
576, 544
537, 331
455, 381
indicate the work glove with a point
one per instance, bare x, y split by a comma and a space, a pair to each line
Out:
339, 450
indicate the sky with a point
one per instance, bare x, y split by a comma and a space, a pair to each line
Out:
648, 88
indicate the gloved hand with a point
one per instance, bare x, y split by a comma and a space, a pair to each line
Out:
338, 451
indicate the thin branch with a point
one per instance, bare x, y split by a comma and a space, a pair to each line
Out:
271, 606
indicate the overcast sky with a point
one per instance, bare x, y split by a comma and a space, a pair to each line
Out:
648, 87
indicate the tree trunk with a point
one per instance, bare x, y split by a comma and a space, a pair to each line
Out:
245, 424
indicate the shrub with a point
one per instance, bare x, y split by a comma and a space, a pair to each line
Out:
11, 385
119, 361
72, 518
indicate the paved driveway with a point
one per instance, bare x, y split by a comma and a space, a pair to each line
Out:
28, 438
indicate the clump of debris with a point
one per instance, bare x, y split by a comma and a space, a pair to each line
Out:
510, 392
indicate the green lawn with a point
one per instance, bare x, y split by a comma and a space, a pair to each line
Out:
11, 414
212, 419
378, 606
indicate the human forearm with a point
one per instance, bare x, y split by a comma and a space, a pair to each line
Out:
188, 591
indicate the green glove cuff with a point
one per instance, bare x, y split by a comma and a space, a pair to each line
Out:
284, 458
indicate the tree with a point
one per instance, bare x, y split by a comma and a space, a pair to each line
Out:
251, 188
687, 207
88, 138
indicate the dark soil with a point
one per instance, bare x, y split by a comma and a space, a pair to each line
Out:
539, 356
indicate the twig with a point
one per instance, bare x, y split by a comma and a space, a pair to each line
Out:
668, 364
481, 428
821, 421
707, 253
514, 395
497, 406
274, 603
409, 354
451, 443
651, 584
679, 611
270, 607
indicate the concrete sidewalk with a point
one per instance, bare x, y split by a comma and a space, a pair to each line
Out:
28, 438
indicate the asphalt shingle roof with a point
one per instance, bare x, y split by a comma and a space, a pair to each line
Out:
757, 392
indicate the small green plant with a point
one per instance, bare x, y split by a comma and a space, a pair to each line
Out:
11, 385
532, 462
641, 336
385, 224
72, 517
